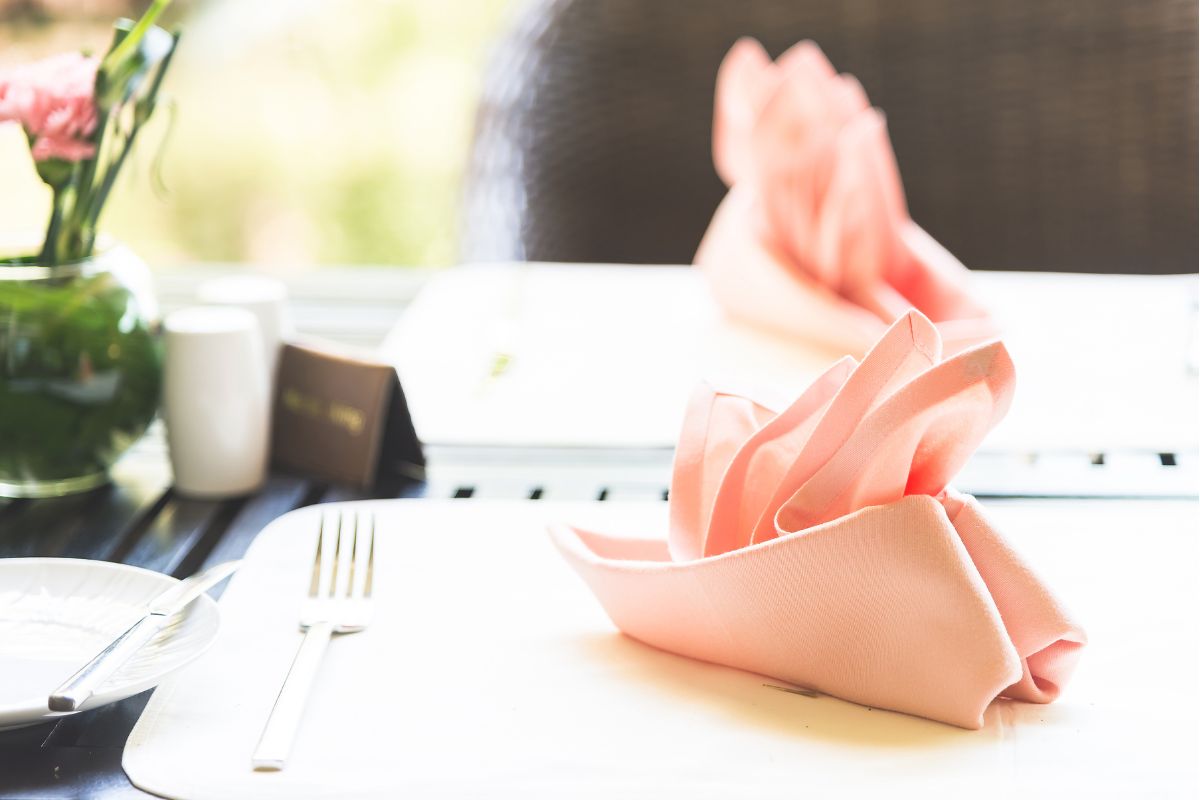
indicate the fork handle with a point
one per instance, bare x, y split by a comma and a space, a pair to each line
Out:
280, 731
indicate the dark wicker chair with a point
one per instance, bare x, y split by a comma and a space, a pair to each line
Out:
1032, 134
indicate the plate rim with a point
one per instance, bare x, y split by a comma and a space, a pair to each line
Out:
19, 716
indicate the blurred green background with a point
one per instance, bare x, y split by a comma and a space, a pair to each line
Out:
304, 132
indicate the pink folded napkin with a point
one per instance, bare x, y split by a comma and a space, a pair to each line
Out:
821, 546
814, 238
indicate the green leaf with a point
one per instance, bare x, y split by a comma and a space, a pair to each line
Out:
125, 47
118, 81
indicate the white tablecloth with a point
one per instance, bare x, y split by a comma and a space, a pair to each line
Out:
587, 355
491, 671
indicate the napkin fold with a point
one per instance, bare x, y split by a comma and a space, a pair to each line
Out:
814, 238
820, 545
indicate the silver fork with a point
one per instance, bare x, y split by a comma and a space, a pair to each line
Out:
329, 608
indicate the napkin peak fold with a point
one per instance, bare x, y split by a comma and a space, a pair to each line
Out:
814, 238
820, 544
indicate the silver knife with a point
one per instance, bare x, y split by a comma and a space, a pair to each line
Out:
159, 611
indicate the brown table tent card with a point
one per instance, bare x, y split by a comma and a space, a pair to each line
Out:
342, 417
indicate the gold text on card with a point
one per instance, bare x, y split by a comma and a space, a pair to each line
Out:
341, 415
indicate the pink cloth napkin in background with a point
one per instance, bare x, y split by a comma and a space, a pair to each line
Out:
814, 238
820, 545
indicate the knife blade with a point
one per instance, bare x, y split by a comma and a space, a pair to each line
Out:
76, 690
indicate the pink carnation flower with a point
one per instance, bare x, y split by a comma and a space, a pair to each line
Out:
54, 101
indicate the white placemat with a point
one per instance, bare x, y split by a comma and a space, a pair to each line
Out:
491, 671
605, 355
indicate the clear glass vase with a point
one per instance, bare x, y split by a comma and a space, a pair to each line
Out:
80, 369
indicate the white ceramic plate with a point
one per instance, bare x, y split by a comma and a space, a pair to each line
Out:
56, 613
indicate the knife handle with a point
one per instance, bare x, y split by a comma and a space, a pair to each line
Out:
83, 684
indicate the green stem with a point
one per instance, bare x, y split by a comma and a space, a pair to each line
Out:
87, 175
86, 216
89, 216
50, 246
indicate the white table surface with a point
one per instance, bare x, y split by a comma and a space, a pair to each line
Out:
490, 670
603, 355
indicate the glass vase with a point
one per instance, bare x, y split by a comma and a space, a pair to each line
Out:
80, 369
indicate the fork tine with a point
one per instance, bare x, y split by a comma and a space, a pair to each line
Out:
315, 586
370, 557
353, 557
337, 553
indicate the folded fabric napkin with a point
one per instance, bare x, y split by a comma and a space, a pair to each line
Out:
821, 546
814, 238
